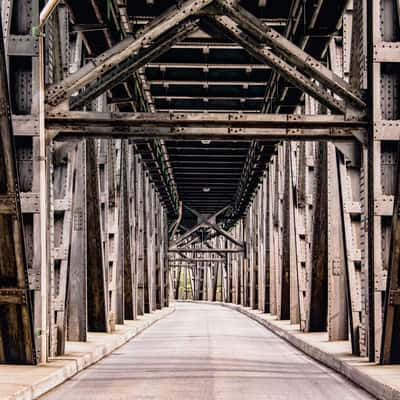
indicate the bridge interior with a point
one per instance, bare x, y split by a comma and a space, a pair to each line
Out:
235, 151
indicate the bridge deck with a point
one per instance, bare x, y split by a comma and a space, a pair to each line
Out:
207, 352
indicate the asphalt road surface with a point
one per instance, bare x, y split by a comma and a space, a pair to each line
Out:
207, 352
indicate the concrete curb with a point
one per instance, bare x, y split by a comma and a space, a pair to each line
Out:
373, 386
76, 364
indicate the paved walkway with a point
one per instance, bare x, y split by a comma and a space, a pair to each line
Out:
207, 352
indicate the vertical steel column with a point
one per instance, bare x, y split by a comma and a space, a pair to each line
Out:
319, 273
337, 304
96, 271
126, 228
140, 233
147, 276
383, 81
16, 326
77, 305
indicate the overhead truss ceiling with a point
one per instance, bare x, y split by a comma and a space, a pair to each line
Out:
204, 56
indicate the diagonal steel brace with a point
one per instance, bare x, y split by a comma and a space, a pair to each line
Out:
280, 45
130, 65
59, 92
207, 222
227, 27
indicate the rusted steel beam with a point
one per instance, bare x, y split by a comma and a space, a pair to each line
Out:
130, 65
59, 92
196, 126
233, 120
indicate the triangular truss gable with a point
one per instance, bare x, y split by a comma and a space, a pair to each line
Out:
287, 59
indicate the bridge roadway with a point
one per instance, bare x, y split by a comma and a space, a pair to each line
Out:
207, 352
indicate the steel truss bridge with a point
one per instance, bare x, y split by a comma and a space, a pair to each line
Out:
242, 151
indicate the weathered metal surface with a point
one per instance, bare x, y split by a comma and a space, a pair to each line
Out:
16, 323
120, 52
129, 66
390, 350
77, 296
190, 126
309, 233
96, 275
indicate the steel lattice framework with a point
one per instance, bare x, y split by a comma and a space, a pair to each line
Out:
240, 151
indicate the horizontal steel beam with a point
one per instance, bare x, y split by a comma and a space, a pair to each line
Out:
205, 170
215, 163
209, 109
206, 175
212, 146
204, 82
195, 260
207, 46
206, 98
190, 181
208, 156
205, 250
213, 185
207, 66
199, 126
144, 19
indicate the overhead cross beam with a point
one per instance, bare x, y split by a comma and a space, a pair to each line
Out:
205, 250
198, 126
195, 260
60, 92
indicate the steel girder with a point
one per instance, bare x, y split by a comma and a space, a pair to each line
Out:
60, 92
132, 63
196, 126
205, 250
383, 158
110, 67
17, 343
195, 260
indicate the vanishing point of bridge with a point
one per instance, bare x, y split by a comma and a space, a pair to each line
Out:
228, 167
